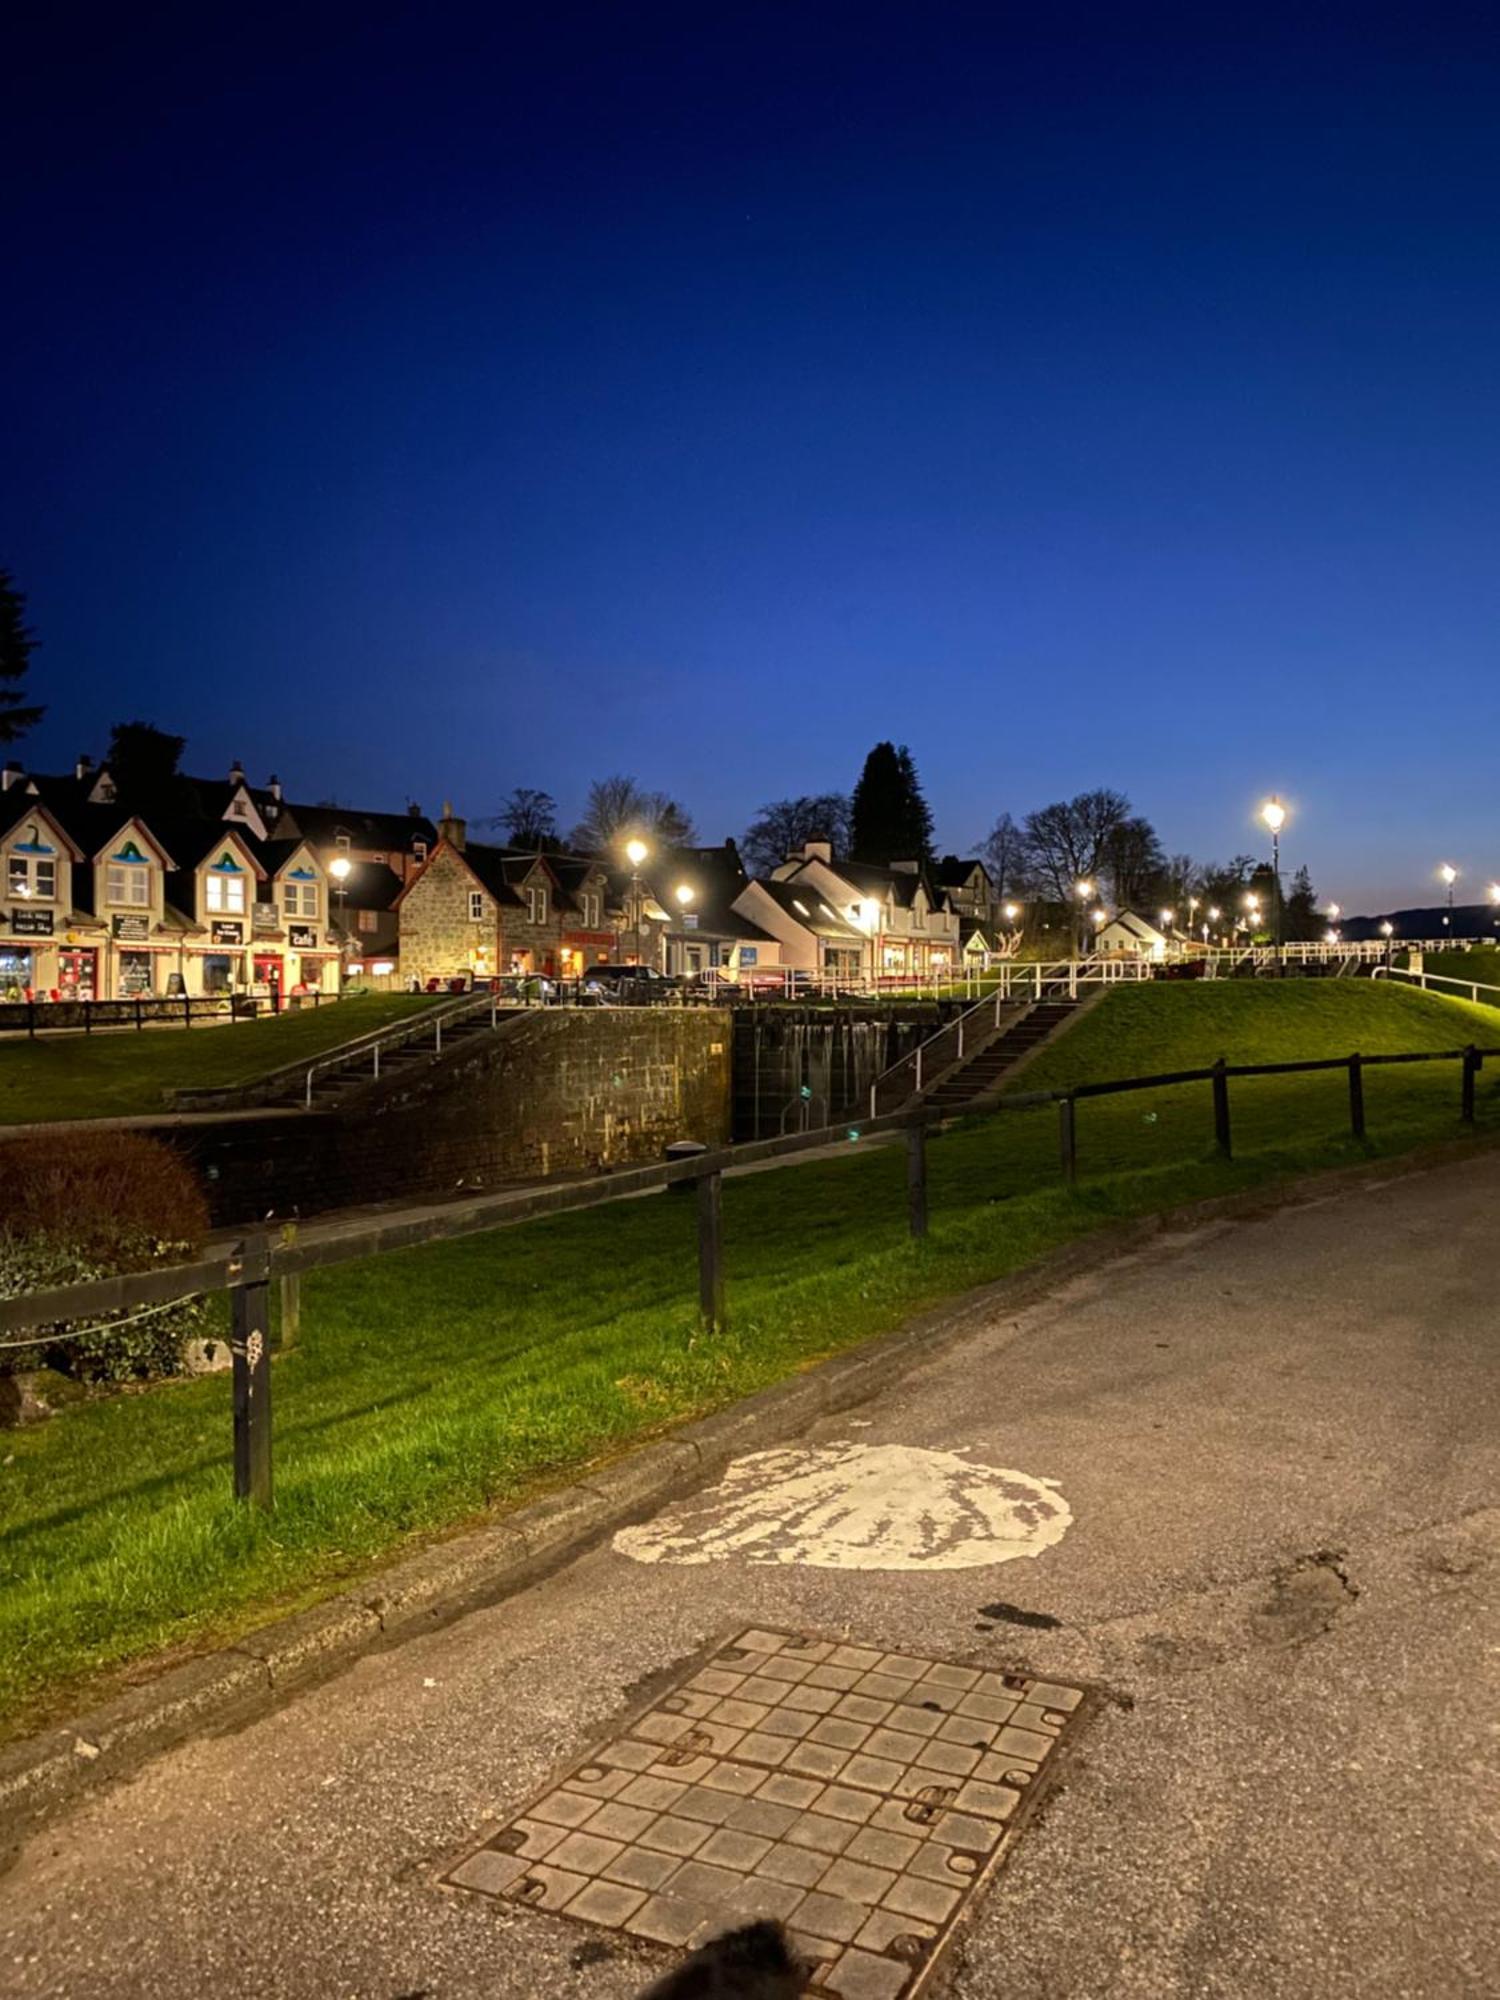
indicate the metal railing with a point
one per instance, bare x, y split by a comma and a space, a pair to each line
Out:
244, 1270
1473, 987
400, 1036
145, 1010
1020, 987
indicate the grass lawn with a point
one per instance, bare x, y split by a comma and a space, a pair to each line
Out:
114, 1075
432, 1384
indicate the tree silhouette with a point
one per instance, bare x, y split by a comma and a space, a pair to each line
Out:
17, 645
889, 819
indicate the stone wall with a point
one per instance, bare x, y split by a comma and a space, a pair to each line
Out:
566, 1091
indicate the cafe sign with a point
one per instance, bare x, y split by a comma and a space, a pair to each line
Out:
134, 929
223, 933
31, 923
302, 937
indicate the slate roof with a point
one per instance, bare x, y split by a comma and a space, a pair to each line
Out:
810, 910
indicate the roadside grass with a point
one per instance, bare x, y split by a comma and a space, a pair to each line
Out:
433, 1384
122, 1072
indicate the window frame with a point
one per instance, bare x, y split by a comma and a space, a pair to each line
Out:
476, 906
130, 874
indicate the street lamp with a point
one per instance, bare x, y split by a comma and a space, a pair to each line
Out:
339, 869
1083, 889
1495, 901
1448, 875
1273, 815
1388, 931
684, 896
635, 853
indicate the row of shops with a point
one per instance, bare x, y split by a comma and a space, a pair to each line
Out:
119, 965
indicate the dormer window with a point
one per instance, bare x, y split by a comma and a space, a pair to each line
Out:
299, 896
224, 888
419, 850
592, 914
31, 869
536, 905
127, 878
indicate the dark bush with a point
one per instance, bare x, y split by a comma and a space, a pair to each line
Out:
79, 1205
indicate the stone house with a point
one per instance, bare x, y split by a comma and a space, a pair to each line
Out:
478, 911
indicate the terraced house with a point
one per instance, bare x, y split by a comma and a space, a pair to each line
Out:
910, 924
113, 898
478, 911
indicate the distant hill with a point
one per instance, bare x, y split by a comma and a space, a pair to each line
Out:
1470, 920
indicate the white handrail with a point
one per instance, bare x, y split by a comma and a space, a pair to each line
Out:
398, 1032
1474, 987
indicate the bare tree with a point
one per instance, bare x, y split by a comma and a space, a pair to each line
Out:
785, 824
1004, 848
618, 808
528, 816
1067, 842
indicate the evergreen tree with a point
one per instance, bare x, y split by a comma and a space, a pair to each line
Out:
143, 760
890, 820
16, 647
1302, 921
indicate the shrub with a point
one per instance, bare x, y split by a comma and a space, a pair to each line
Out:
80, 1205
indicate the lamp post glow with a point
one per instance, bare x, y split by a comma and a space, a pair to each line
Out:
1273, 816
1388, 931
1448, 875
339, 869
682, 895
1083, 889
635, 853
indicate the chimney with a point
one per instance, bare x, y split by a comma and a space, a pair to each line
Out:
83, 768
273, 786
236, 773
906, 867
454, 831
11, 775
816, 850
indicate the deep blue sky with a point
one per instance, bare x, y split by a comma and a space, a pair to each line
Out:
430, 400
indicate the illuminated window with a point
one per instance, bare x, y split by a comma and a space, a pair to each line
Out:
225, 894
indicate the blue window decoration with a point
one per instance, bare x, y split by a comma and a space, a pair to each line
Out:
227, 865
301, 875
132, 854
33, 843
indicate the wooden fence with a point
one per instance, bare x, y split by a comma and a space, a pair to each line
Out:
281, 1253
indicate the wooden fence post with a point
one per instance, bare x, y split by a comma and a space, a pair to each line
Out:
291, 1295
1356, 1097
1472, 1060
1222, 1138
1067, 1136
916, 1176
711, 1252
250, 1351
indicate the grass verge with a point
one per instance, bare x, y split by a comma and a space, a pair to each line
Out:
433, 1384
120, 1074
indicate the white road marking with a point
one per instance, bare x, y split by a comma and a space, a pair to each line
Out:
857, 1506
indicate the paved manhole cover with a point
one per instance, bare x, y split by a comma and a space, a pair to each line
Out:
859, 1795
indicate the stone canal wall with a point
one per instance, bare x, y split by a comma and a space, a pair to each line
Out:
570, 1091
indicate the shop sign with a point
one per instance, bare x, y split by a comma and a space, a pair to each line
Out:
265, 917
135, 928
31, 923
302, 937
223, 933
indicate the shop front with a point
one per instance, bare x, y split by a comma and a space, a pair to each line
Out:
78, 973
17, 971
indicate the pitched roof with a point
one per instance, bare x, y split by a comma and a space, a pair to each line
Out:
323, 824
810, 910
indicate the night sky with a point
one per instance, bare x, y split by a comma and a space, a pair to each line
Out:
430, 400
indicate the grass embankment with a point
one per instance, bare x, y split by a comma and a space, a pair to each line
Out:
434, 1383
122, 1073
1482, 964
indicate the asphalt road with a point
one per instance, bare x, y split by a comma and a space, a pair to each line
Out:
1279, 1442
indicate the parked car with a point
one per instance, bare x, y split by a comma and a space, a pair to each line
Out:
631, 983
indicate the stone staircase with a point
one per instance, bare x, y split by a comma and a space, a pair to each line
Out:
331, 1086
982, 1074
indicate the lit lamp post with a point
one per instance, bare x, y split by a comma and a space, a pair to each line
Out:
635, 853
339, 868
1448, 875
1388, 931
1082, 890
684, 896
1273, 816
1334, 913
1495, 902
